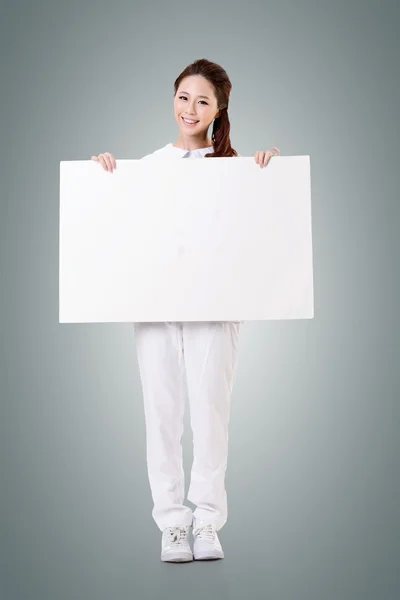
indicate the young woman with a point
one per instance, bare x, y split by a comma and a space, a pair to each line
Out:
203, 353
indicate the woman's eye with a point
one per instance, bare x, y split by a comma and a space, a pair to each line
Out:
184, 97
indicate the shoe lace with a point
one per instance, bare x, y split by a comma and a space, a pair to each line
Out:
177, 535
205, 532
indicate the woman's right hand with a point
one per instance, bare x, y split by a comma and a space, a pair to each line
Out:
106, 160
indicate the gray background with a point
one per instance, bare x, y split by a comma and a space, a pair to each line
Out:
313, 473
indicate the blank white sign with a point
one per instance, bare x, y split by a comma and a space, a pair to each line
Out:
216, 239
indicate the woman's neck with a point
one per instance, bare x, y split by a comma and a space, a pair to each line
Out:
191, 144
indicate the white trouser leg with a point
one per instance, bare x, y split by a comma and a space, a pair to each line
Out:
162, 372
210, 352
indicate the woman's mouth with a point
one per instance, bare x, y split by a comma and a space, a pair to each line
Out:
189, 122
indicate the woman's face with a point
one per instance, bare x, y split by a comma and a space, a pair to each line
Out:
189, 102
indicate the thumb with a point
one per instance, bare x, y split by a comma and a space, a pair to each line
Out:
94, 158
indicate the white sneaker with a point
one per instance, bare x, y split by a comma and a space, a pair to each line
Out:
174, 544
206, 545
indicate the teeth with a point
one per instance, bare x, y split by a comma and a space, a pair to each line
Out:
187, 121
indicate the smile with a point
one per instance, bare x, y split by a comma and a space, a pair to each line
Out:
189, 121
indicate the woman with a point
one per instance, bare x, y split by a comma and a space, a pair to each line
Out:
203, 352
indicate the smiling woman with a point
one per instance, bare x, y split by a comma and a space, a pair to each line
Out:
200, 355
201, 97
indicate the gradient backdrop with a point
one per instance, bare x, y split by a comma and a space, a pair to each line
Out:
313, 473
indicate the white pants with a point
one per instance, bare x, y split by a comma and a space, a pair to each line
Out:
206, 352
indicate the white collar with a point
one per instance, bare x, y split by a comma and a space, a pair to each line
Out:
175, 151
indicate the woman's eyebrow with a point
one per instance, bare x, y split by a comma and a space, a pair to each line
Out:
187, 93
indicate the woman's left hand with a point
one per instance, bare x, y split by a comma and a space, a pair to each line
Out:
263, 157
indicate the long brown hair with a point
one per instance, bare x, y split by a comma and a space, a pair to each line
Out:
220, 81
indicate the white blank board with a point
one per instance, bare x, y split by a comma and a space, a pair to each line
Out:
216, 239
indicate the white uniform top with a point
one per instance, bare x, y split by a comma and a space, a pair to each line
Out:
171, 151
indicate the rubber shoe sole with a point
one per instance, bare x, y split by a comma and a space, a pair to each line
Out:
177, 557
208, 555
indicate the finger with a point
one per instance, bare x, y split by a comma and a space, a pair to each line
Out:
262, 159
276, 150
106, 162
109, 158
95, 158
114, 162
267, 158
102, 161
